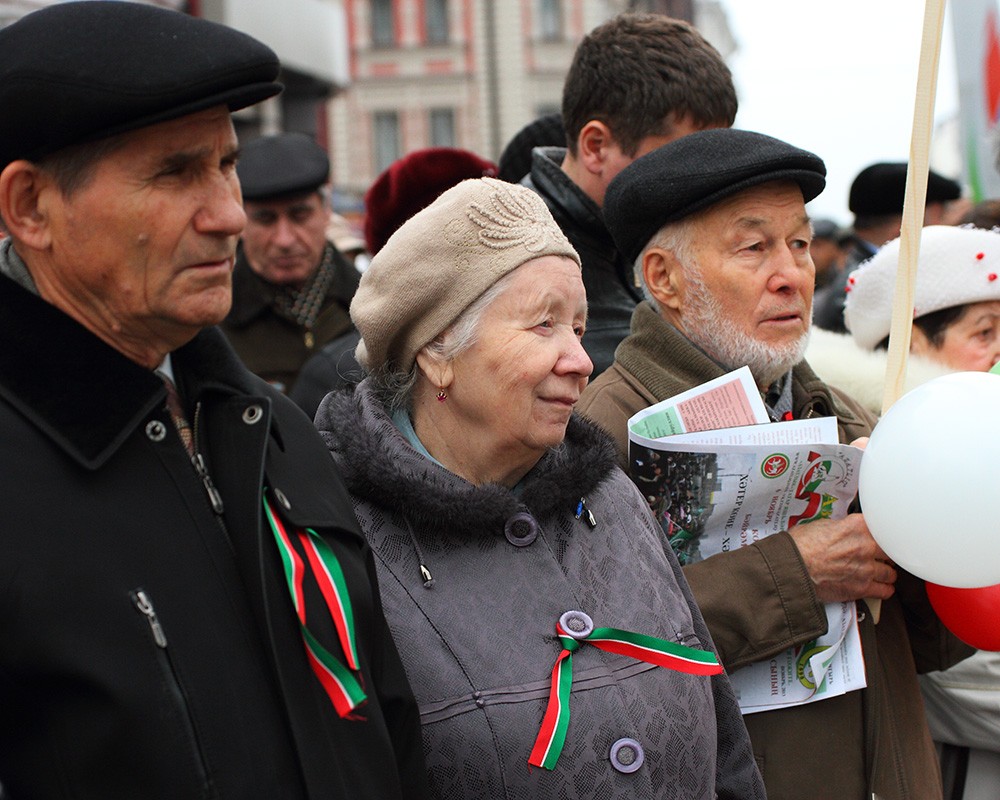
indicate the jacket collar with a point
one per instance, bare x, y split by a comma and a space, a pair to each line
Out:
381, 466
547, 175
666, 363
82, 393
254, 297
661, 358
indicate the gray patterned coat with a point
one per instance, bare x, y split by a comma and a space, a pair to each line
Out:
478, 640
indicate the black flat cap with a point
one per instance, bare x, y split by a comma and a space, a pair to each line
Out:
77, 72
696, 171
879, 189
284, 165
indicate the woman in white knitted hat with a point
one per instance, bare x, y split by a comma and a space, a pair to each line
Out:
956, 314
549, 636
956, 327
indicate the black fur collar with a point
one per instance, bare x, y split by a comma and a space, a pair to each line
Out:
379, 465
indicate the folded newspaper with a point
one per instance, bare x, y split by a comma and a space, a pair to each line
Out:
718, 479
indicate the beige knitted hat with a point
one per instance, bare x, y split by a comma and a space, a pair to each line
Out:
956, 266
441, 260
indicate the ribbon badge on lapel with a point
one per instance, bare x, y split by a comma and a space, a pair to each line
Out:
575, 629
299, 548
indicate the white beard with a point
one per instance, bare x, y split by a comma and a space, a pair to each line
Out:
718, 336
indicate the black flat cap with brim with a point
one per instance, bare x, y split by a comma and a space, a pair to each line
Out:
77, 72
880, 188
284, 165
696, 171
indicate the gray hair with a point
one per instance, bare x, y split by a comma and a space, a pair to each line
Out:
674, 237
396, 388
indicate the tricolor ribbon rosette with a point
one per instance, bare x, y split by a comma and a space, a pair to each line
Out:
575, 629
301, 547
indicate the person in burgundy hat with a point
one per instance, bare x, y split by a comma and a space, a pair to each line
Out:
408, 185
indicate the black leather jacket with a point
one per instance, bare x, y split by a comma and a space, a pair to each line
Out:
607, 276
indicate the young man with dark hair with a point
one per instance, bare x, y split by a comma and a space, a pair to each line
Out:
636, 82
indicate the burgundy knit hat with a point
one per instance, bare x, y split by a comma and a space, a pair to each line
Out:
414, 182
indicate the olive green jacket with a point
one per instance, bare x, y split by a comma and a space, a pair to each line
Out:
759, 600
275, 348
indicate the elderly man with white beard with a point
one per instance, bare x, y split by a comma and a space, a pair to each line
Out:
717, 226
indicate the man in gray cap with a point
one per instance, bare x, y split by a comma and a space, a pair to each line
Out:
717, 228
292, 287
187, 606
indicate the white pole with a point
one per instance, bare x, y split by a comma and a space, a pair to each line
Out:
913, 203
913, 215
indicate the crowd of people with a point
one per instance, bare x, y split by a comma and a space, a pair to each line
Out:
280, 526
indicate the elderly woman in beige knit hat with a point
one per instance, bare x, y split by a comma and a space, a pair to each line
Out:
549, 636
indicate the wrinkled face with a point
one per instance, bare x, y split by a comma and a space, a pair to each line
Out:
748, 299
284, 239
970, 343
144, 249
516, 386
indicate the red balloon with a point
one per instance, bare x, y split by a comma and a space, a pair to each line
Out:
973, 615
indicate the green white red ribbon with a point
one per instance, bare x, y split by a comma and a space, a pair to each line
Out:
338, 681
660, 652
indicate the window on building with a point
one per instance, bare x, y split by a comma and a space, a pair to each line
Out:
387, 147
550, 20
436, 21
442, 127
383, 26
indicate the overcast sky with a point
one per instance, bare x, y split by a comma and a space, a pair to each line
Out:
835, 78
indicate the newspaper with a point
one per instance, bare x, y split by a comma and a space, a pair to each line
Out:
714, 489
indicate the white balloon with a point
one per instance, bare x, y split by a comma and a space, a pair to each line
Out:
930, 478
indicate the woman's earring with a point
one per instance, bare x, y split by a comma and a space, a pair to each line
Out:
441, 396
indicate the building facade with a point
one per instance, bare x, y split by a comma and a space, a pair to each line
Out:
459, 73
309, 36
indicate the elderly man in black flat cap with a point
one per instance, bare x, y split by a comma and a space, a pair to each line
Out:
717, 228
187, 606
292, 287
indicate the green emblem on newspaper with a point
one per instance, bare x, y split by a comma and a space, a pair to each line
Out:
803, 669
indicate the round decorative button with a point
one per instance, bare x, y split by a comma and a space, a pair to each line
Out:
521, 529
577, 624
280, 497
627, 755
253, 414
156, 430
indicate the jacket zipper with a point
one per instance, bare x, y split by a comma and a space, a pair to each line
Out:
214, 498
144, 606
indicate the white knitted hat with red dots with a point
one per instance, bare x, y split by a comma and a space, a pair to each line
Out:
957, 265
